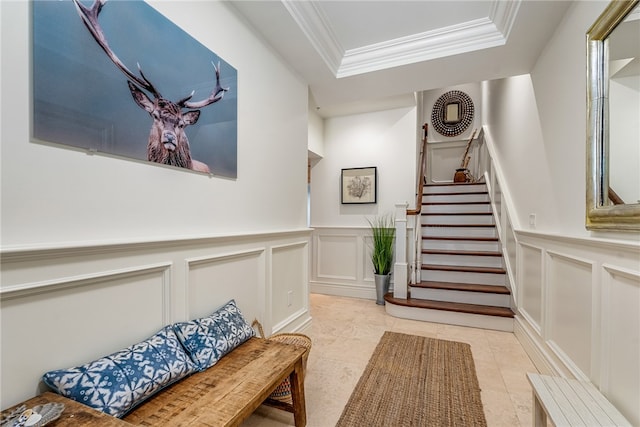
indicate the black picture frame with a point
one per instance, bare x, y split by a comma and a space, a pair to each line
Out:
359, 185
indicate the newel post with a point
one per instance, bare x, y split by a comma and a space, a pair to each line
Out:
401, 267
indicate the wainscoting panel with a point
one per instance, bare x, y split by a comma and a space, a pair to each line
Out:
63, 306
215, 279
530, 298
621, 347
341, 263
85, 318
289, 284
570, 301
337, 256
509, 254
589, 312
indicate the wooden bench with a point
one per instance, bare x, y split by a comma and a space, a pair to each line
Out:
223, 395
568, 402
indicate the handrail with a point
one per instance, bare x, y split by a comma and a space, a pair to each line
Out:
613, 196
420, 186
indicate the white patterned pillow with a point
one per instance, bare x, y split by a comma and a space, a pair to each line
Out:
117, 383
208, 339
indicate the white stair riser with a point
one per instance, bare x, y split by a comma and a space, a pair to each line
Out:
457, 219
461, 245
459, 231
451, 318
469, 188
463, 277
452, 198
462, 260
457, 208
478, 298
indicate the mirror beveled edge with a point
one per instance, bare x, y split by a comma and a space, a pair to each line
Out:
599, 215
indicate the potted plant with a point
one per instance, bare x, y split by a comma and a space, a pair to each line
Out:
383, 233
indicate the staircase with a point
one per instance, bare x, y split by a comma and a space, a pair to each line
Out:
463, 280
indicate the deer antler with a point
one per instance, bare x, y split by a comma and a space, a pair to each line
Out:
216, 94
90, 18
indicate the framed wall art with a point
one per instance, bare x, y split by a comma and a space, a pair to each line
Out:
358, 185
119, 78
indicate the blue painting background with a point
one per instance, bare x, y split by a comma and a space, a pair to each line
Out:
82, 99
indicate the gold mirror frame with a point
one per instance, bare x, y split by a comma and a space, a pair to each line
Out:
600, 214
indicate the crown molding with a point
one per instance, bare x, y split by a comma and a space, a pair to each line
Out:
470, 36
453, 40
315, 25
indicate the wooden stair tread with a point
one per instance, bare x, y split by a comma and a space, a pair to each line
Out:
465, 269
455, 203
455, 193
460, 252
466, 287
458, 225
449, 184
451, 306
462, 238
457, 213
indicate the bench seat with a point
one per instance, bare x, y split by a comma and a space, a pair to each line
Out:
568, 402
223, 395
230, 391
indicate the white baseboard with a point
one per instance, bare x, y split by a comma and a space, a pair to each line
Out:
538, 351
343, 290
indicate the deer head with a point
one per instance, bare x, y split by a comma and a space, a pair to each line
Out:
168, 143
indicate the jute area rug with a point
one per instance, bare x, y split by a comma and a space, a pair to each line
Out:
416, 381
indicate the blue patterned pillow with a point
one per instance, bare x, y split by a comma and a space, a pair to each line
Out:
116, 383
209, 338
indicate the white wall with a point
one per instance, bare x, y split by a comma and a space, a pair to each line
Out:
474, 90
99, 252
316, 134
624, 143
444, 153
513, 124
55, 196
559, 83
385, 139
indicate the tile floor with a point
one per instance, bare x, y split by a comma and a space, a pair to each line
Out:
345, 332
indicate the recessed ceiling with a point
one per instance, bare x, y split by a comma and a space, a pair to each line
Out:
362, 55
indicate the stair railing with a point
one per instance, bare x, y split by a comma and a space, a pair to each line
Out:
407, 265
615, 199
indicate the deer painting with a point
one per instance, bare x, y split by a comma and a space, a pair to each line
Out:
168, 143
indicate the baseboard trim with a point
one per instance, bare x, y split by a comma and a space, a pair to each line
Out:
343, 290
538, 351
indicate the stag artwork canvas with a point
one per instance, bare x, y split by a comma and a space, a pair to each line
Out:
121, 79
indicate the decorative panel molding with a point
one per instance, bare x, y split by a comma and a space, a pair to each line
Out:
569, 299
76, 319
341, 262
620, 336
289, 294
212, 280
530, 297
337, 256
82, 302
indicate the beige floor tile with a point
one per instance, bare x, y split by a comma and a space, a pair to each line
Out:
345, 332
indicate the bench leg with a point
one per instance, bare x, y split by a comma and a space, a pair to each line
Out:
297, 395
539, 415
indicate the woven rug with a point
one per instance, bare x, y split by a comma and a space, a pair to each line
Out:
416, 381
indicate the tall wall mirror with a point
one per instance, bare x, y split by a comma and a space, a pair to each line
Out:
613, 124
